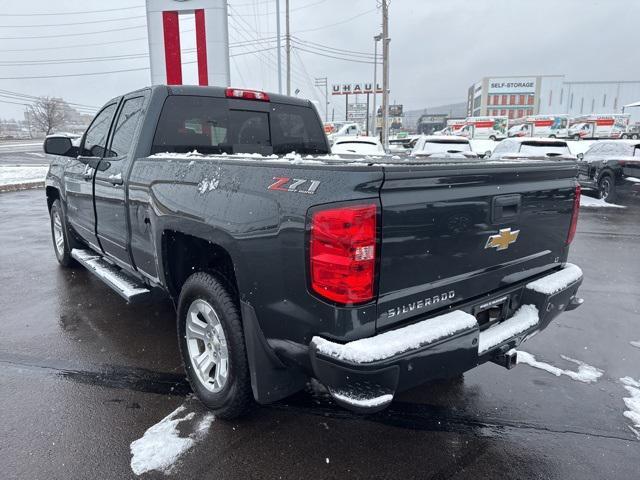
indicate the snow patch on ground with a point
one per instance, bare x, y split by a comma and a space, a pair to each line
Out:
635, 344
590, 202
633, 403
556, 281
394, 342
162, 444
586, 373
525, 318
17, 174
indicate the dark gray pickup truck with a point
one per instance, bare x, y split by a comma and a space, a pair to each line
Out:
370, 274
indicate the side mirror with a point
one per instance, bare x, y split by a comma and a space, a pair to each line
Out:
580, 156
60, 146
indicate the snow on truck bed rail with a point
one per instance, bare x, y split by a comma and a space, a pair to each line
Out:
336, 160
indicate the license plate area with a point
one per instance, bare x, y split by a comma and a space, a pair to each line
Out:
491, 312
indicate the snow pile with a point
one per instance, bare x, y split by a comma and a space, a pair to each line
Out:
635, 344
586, 373
358, 400
590, 202
18, 174
556, 281
632, 179
525, 318
161, 445
395, 342
207, 185
633, 404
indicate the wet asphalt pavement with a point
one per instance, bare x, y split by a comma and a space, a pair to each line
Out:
83, 375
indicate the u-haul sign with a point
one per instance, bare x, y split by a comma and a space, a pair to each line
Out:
354, 88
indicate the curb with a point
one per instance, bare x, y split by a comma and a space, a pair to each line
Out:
21, 186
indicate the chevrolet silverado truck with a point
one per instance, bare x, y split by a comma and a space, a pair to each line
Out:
285, 263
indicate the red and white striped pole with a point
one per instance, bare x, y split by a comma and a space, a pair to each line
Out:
211, 39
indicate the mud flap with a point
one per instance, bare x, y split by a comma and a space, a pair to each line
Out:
271, 380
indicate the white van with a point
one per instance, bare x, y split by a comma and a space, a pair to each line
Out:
550, 126
599, 126
490, 128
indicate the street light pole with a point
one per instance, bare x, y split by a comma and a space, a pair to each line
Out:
288, 46
385, 73
376, 39
279, 43
324, 82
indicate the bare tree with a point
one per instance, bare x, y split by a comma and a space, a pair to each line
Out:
47, 114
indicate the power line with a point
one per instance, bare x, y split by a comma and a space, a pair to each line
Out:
337, 51
31, 14
28, 77
74, 34
337, 23
335, 57
74, 23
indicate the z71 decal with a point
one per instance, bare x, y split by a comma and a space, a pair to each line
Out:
296, 185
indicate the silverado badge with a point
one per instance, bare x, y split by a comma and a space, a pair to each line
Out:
503, 239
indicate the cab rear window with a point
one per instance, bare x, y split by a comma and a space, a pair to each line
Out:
210, 126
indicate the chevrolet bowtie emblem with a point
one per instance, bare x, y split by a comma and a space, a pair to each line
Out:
503, 239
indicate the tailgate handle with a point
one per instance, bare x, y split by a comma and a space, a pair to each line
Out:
505, 208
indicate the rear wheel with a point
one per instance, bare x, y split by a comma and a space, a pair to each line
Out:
212, 346
577, 137
552, 136
625, 136
63, 241
634, 136
607, 188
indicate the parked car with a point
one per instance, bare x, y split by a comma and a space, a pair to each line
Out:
358, 145
372, 277
443, 146
530, 147
610, 167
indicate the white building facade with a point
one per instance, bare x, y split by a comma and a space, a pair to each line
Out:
519, 96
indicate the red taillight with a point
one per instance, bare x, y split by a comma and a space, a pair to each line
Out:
247, 94
574, 216
342, 253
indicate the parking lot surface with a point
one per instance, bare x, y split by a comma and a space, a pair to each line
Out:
83, 376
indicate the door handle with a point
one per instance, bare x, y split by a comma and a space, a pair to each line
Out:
505, 208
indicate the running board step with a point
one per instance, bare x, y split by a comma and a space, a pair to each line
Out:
123, 284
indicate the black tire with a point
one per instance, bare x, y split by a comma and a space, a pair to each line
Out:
68, 241
552, 136
634, 136
607, 188
577, 137
492, 137
624, 136
236, 397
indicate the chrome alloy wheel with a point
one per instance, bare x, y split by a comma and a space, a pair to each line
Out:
58, 236
207, 346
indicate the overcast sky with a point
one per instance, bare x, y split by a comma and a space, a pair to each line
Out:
438, 47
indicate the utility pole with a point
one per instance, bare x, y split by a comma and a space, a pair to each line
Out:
279, 43
324, 82
376, 39
288, 46
385, 73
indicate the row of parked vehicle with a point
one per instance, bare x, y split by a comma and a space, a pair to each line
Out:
607, 167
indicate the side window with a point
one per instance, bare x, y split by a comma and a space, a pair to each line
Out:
502, 147
126, 126
594, 150
96, 136
188, 122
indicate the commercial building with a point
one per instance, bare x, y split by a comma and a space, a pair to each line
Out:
518, 96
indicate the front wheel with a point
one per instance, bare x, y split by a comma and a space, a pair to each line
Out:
577, 137
63, 242
212, 346
492, 137
607, 188
624, 136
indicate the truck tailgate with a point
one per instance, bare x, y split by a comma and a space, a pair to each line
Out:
454, 232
